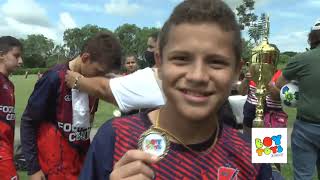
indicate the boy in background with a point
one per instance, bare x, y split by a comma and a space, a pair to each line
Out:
10, 60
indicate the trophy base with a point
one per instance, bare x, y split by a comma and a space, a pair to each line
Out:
257, 123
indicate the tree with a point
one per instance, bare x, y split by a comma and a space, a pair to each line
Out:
59, 56
245, 13
283, 60
134, 40
290, 53
247, 47
75, 38
128, 35
37, 48
34, 61
260, 29
247, 19
142, 39
254, 33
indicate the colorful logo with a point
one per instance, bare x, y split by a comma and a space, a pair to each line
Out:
153, 144
269, 146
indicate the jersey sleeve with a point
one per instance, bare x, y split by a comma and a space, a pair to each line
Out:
137, 90
99, 159
41, 106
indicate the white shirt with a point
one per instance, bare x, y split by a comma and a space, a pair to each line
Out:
140, 89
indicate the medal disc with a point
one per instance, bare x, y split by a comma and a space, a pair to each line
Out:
154, 142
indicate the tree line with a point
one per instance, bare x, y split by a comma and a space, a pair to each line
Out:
41, 52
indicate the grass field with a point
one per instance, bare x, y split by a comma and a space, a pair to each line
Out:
24, 87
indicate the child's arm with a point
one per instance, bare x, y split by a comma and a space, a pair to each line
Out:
140, 89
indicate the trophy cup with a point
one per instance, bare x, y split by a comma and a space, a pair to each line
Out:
263, 65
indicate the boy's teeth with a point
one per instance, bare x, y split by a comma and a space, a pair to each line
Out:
194, 93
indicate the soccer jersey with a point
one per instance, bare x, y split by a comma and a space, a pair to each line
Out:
7, 124
50, 141
229, 158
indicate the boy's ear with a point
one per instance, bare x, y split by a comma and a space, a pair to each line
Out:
85, 57
1, 55
157, 58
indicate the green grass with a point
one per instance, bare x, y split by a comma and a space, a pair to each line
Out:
24, 88
292, 116
23, 175
287, 169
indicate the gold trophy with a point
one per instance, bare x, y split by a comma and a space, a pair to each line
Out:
263, 65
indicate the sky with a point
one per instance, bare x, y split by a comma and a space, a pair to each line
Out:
291, 20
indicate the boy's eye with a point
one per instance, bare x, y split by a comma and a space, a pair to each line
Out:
179, 60
217, 63
16, 55
182, 58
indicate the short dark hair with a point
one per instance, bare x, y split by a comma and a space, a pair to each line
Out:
154, 35
129, 55
204, 11
314, 38
8, 42
104, 48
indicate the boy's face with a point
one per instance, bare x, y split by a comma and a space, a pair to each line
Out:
12, 59
92, 69
131, 64
198, 68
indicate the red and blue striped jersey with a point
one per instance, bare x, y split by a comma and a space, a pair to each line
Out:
49, 140
229, 158
7, 118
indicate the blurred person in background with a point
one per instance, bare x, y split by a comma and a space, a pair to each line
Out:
130, 64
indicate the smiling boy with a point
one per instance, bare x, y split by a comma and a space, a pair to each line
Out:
199, 51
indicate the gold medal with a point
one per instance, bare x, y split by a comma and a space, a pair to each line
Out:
154, 142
